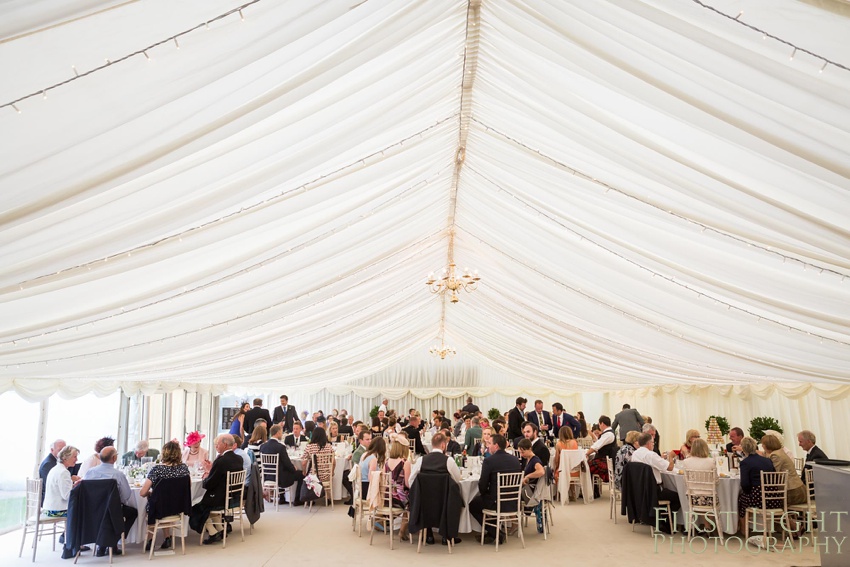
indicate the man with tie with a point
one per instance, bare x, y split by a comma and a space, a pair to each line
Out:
561, 418
542, 419
806, 440
284, 414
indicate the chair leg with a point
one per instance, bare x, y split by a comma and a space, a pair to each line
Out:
23, 540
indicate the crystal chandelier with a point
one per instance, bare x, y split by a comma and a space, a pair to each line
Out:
449, 281
443, 351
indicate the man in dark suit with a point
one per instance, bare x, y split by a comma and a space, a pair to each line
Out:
560, 418
48, 463
470, 407
516, 418
295, 438
498, 462
538, 446
253, 415
287, 475
736, 434
452, 446
285, 414
806, 439
344, 428
412, 431
542, 419
215, 484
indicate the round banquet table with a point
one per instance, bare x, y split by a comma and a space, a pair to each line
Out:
469, 490
728, 489
137, 532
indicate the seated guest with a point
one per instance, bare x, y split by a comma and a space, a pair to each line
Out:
215, 484
473, 432
736, 434
309, 428
48, 463
141, 451
436, 425
249, 457
532, 471
372, 460
645, 454
806, 440
603, 448
287, 475
94, 460
344, 428
412, 431
59, 483
499, 426
649, 428
685, 449
259, 436
700, 459
170, 467
364, 439
193, 453
482, 449
106, 470
295, 438
499, 462
778, 435
452, 446
318, 446
378, 426
436, 462
333, 432
595, 431
398, 465
750, 468
538, 446
624, 455
781, 463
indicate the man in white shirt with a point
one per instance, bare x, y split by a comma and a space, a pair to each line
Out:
604, 447
645, 454
106, 470
383, 406
436, 461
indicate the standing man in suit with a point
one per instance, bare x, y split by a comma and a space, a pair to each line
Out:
516, 417
470, 407
498, 462
806, 439
287, 475
560, 418
253, 415
215, 483
285, 414
542, 419
627, 420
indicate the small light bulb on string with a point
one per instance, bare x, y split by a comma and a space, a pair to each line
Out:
74, 67
241, 15
18, 110
176, 42
823, 67
793, 53
741, 13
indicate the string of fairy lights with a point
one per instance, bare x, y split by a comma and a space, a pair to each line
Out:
608, 187
239, 11
654, 273
280, 196
739, 19
419, 245
381, 206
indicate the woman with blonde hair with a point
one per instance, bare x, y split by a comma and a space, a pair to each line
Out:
333, 432
685, 449
566, 442
258, 437
700, 458
398, 466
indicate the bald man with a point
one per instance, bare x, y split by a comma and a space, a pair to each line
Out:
106, 470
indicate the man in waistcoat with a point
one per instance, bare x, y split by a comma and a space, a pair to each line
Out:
436, 462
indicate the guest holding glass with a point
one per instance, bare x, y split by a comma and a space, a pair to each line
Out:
685, 449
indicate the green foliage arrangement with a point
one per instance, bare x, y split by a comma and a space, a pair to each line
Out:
759, 424
494, 413
722, 423
374, 412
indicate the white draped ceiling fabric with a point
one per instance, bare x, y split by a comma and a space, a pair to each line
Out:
657, 197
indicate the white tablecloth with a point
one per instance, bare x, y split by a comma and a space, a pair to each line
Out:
571, 458
727, 493
340, 467
137, 532
469, 490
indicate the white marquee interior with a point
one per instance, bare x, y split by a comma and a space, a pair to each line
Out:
656, 196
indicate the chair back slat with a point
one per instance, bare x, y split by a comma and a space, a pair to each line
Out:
268, 465
774, 490
235, 489
509, 487
33, 498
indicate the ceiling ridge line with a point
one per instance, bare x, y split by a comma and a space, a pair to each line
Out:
470, 69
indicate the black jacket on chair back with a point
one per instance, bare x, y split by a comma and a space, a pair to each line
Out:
94, 516
640, 493
435, 502
170, 497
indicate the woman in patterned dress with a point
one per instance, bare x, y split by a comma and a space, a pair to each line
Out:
172, 466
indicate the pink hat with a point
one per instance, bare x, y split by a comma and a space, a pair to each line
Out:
192, 438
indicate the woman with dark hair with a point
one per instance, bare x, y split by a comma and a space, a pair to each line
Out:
237, 426
172, 466
94, 460
309, 428
318, 445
